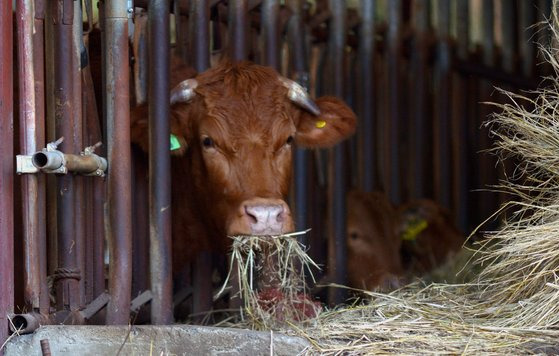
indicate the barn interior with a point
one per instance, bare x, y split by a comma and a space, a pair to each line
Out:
419, 74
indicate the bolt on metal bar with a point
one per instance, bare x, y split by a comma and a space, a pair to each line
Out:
159, 162
337, 167
67, 285
119, 156
7, 169
28, 144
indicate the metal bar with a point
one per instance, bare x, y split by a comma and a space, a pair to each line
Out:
39, 71
199, 31
526, 11
238, 29
459, 123
6, 169
392, 141
270, 33
28, 144
441, 124
159, 162
337, 167
366, 96
119, 157
77, 38
200, 40
67, 284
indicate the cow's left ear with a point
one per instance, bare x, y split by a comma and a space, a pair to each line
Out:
335, 123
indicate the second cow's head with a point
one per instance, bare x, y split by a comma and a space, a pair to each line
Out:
238, 125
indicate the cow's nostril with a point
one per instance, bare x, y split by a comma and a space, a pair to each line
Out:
252, 217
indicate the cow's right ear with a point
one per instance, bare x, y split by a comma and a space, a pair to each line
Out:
140, 136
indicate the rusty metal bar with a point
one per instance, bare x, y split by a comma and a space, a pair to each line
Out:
392, 146
337, 167
119, 157
199, 31
159, 162
39, 71
67, 272
271, 33
368, 174
441, 124
7, 169
45, 347
77, 40
28, 144
237, 23
200, 40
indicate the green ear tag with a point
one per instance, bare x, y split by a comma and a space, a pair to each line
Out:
175, 144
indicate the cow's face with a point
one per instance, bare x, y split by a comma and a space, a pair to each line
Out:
373, 247
238, 129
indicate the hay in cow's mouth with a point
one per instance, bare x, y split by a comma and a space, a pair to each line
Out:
271, 280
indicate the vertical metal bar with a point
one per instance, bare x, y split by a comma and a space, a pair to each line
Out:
337, 168
200, 34
392, 141
67, 273
39, 71
526, 10
441, 123
418, 97
238, 29
159, 162
367, 132
6, 169
77, 38
460, 122
119, 156
200, 40
300, 73
270, 33
28, 146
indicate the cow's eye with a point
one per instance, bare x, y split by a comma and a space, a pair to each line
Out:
289, 140
207, 142
354, 236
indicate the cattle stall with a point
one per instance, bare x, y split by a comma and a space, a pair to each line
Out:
75, 242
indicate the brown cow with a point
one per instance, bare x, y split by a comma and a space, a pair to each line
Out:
373, 255
429, 237
237, 124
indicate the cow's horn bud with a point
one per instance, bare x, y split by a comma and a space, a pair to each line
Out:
184, 91
299, 96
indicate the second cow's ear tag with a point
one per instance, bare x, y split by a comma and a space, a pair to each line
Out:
320, 124
174, 141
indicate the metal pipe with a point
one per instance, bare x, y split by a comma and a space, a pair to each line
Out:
28, 144
117, 90
270, 33
237, 23
45, 347
337, 167
54, 161
67, 285
39, 71
159, 163
7, 169
199, 30
27, 323
199, 22
367, 131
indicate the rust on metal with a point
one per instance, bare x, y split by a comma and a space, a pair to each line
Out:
159, 163
28, 144
119, 156
45, 347
6, 168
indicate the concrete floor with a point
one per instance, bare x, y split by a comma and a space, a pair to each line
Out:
154, 340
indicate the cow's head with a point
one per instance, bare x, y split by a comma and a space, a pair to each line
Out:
237, 124
373, 247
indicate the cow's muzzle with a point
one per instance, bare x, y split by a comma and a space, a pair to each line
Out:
260, 216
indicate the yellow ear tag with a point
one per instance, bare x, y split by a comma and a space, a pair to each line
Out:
414, 229
320, 124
